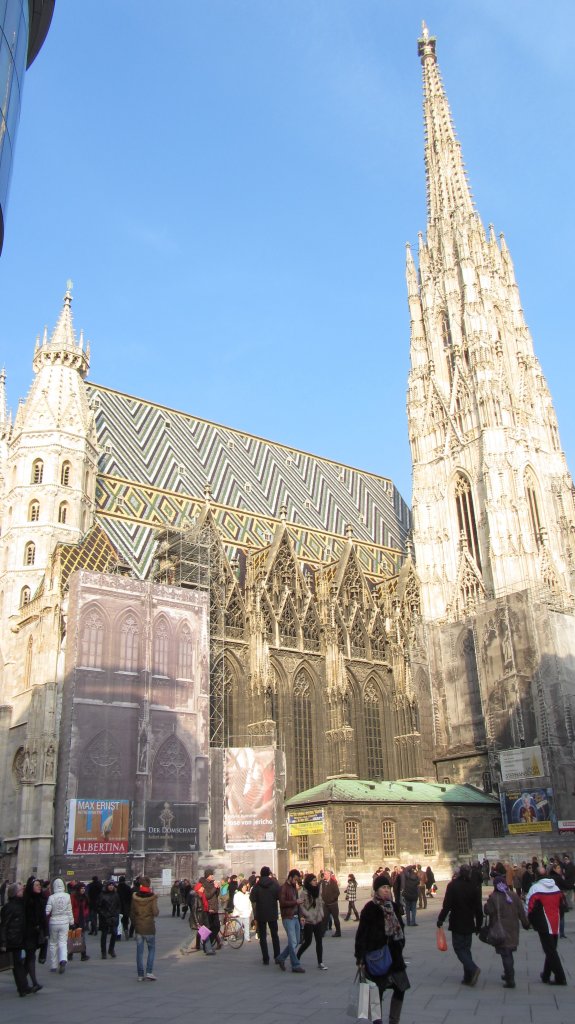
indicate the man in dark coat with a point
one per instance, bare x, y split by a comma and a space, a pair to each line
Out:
463, 904
264, 897
330, 897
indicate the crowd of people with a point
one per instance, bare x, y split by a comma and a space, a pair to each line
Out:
41, 920
533, 895
44, 919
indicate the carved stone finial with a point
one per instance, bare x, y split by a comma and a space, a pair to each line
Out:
349, 531
207, 492
283, 513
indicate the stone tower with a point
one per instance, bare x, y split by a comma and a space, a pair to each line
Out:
493, 513
493, 500
48, 465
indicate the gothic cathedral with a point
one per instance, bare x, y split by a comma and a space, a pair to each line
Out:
171, 587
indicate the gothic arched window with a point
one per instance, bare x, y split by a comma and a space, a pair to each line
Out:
172, 772
29, 553
129, 643
372, 704
101, 773
161, 647
466, 516
63, 512
37, 471
34, 511
24, 597
92, 642
303, 735
65, 474
531, 495
222, 704
185, 653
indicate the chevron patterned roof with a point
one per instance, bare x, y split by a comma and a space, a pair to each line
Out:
156, 462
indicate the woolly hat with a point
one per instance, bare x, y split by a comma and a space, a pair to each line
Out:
380, 880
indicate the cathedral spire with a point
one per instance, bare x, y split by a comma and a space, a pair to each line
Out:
448, 190
63, 346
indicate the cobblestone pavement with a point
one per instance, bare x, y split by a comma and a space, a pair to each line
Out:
235, 986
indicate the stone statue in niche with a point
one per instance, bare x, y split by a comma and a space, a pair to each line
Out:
49, 762
143, 749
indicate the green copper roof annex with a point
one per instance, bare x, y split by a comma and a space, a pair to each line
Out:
404, 792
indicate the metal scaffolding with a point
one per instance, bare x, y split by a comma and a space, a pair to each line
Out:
193, 558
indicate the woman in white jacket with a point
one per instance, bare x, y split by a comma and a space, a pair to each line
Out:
61, 918
243, 907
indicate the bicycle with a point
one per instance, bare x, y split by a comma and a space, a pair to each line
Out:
232, 931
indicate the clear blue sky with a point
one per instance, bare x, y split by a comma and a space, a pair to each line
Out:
230, 185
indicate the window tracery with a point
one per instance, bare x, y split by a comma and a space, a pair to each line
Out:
533, 505
129, 643
303, 735
34, 511
466, 516
92, 643
37, 471
161, 647
372, 705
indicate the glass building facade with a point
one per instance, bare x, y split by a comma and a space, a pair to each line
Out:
23, 28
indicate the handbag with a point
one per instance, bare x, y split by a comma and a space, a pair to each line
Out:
76, 941
441, 939
378, 962
493, 933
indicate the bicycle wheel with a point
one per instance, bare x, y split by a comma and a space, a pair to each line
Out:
235, 934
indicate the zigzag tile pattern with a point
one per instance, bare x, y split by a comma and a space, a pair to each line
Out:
156, 463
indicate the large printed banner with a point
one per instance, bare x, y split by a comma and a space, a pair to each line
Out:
172, 827
306, 823
527, 810
98, 826
521, 763
249, 798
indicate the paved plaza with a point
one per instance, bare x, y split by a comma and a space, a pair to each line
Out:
235, 986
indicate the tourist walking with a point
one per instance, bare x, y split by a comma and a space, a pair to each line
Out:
93, 890
35, 927
429, 881
410, 892
242, 908
380, 925
81, 912
124, 890
12, 930
505, 911
264, 896
212, 895
176, 898
109, 919
543, 911
143, 913
462, 902
330, 897
350, 892
312, 913
421, 893
61, 919
288, 899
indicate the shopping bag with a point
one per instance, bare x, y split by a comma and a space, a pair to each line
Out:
362, 1012
204, 932
441, 940
374, 1002
76, 941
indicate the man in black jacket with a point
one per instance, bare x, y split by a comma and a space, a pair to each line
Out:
463, 904
264, 896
